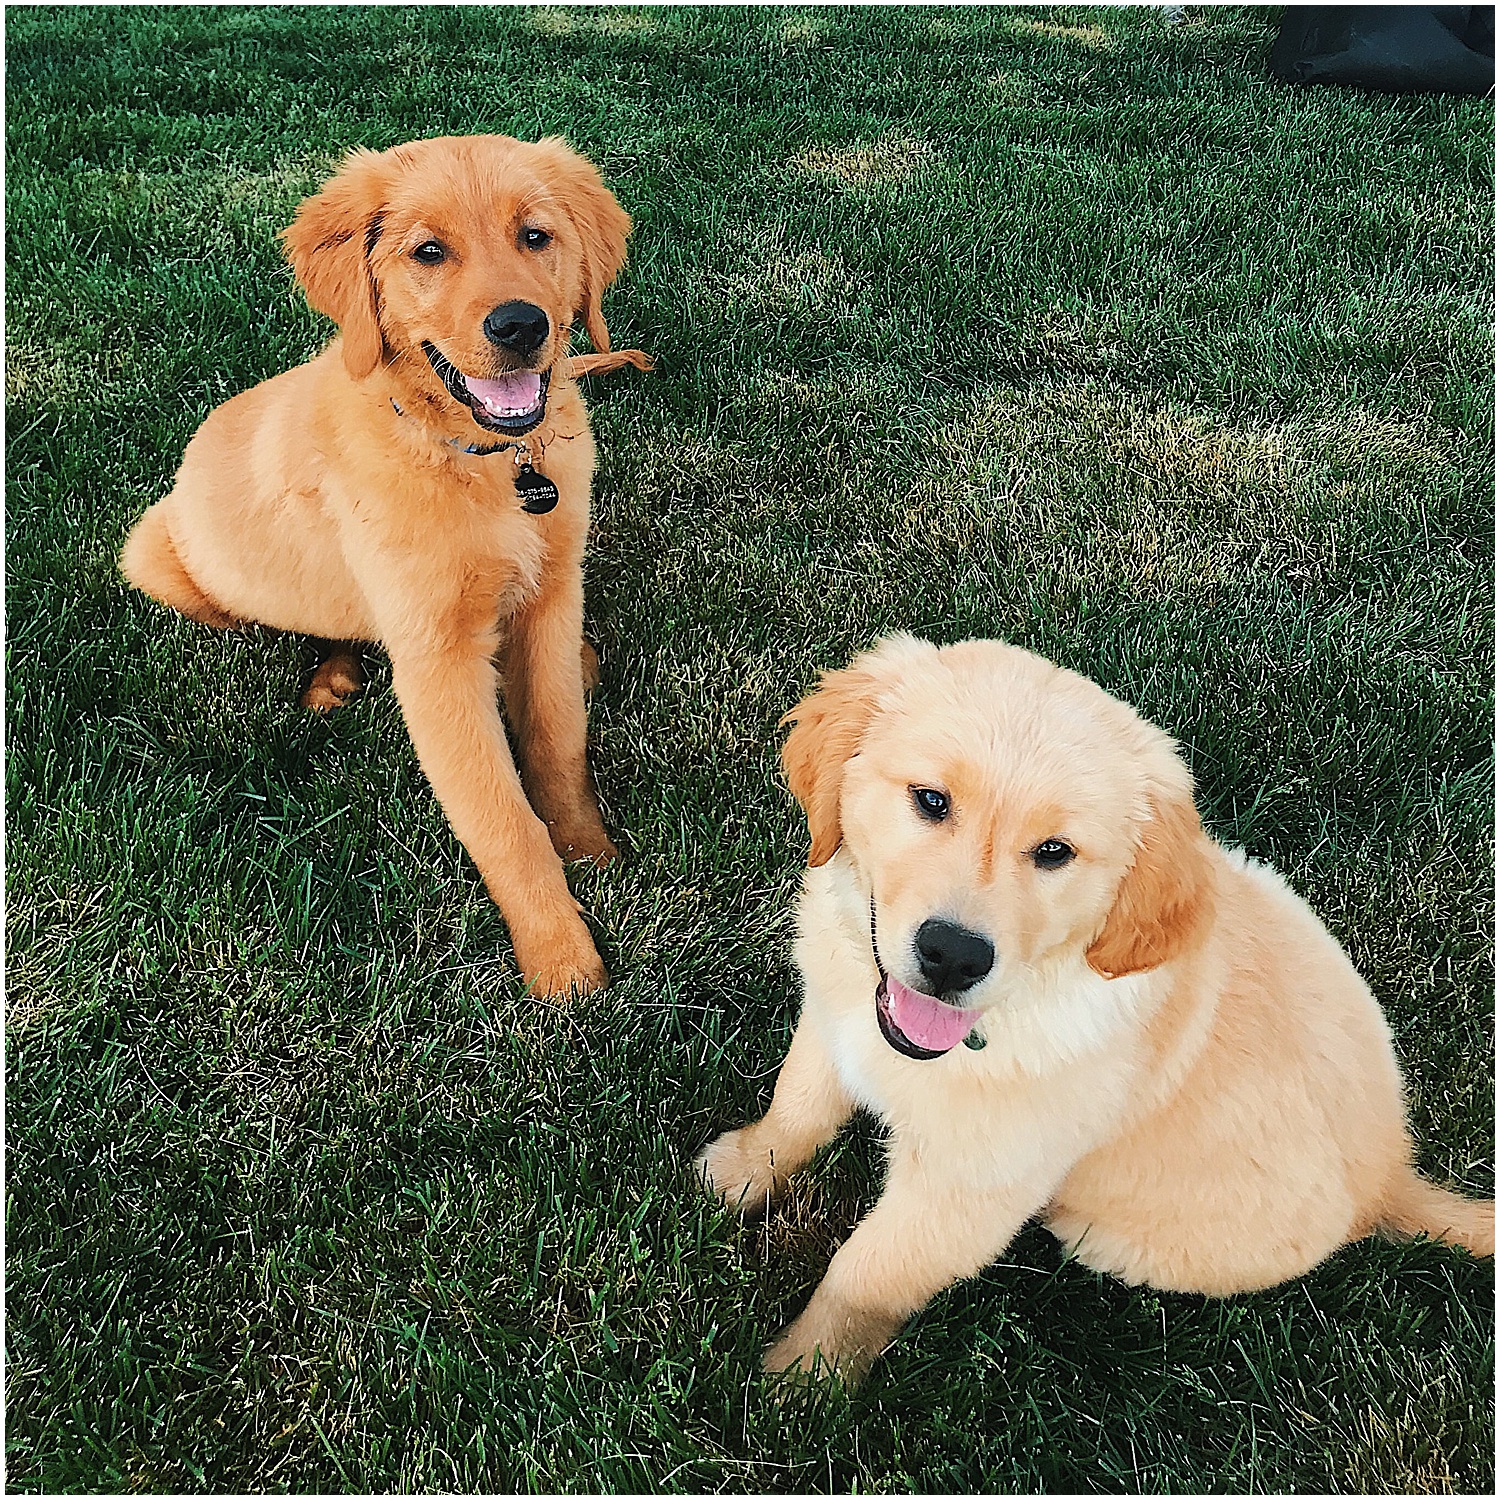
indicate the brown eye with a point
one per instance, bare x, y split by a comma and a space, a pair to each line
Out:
429, 253
1052, 854
535, 239
931, 803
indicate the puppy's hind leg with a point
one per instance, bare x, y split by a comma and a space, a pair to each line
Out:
338, 677
150, 561
810, 1105
589, 660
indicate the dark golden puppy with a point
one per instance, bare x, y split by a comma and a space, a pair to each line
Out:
424, 483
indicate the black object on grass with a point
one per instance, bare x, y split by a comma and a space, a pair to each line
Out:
1397, 49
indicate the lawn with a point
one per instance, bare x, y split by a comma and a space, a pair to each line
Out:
1055, 325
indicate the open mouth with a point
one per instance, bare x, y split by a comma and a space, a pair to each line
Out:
512, 404
916, 1025
919, 1025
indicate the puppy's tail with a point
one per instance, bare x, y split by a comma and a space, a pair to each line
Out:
602, 364
1415, 1206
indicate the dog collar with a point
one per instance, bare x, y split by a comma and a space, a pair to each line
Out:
479, 450
538, 494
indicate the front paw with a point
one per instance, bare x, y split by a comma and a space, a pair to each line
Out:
564, 982
826, 1342
561, 970
582, 841
732, 1168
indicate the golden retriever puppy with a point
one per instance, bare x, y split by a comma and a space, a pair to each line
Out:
1021, 951
424, 483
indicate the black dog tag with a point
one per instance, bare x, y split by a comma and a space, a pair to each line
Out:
538, 493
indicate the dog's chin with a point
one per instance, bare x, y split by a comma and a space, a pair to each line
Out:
511, 404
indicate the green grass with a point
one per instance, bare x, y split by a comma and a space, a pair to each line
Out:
1056, 326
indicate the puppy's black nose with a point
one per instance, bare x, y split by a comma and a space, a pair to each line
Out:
519, 327
952, 958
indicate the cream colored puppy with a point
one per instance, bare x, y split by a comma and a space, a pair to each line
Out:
1021, 951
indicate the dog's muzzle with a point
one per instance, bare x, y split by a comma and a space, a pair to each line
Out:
512, 403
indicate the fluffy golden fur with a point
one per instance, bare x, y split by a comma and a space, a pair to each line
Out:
1182, 1072
310, 503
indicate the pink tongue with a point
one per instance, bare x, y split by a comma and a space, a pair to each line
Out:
508, 395
929, 1023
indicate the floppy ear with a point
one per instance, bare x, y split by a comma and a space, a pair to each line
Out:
602, 226
829, 724
1165, 893
329, 245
